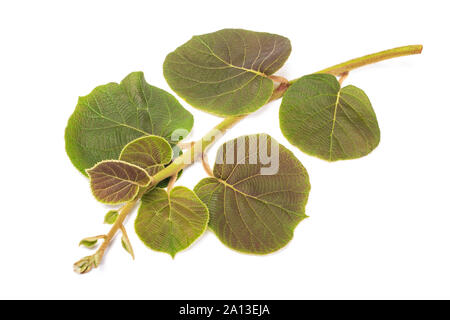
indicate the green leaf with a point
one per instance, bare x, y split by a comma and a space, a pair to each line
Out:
257, 196
111, 216
226, 72
127, 246
114, 114
171, 222
150, 153
115, 181
90, 242
328, 122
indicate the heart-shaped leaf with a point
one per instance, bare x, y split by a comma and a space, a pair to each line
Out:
328, 122
150, 153
257, 196
171, 222
114, 181
226, 72
114, 114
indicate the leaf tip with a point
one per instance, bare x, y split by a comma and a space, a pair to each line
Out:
416, 49
89, 170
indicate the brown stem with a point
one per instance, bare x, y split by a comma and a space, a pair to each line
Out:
206, 165
372, 58
124, 211
278, 79
342, 77
172, 181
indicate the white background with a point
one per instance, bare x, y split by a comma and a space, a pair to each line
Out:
379, 226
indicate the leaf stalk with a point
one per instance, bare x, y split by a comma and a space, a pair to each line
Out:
349, 65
